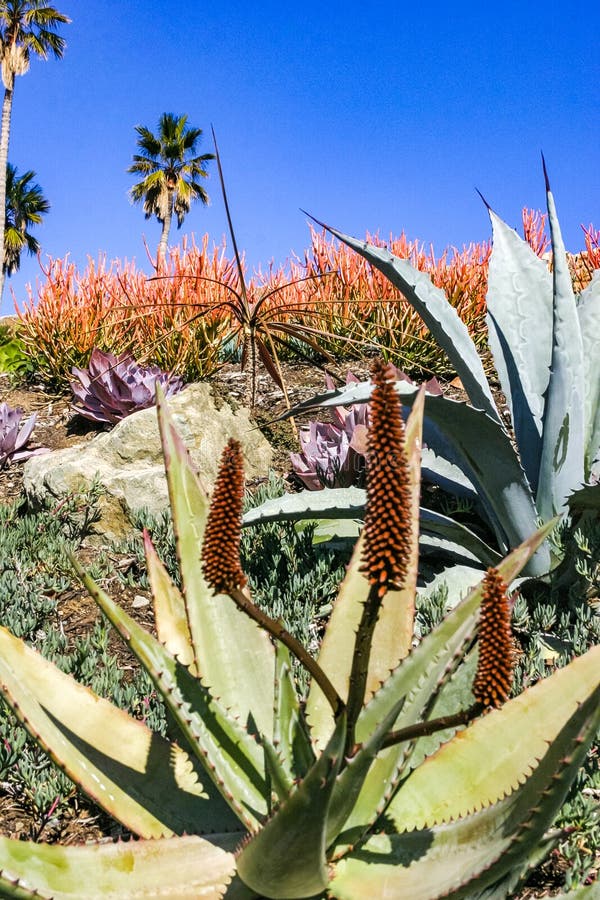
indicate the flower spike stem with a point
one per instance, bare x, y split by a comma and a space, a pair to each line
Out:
280, 633
424, 729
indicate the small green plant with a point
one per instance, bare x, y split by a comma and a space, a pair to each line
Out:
14, 358
364, 803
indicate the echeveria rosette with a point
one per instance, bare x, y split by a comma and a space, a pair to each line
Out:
15, 435
113, 387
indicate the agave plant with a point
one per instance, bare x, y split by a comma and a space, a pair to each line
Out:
546, 346
113, 387
366, 788
15, 435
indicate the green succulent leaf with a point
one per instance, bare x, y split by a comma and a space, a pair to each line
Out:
183, 868
562, 456
289, 731
461, 838
150, 784
287, 856
169, 608
242, 680
232, 757
440, 317
405, 699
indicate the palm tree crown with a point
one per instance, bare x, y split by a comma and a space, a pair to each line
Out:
25, 206
170, 170
26, 27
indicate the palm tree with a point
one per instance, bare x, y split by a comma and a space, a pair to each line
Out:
26, 27
25, 206
169, 169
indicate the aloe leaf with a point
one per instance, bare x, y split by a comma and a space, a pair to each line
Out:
442, 855
562, 457
588, 311
230, 754
519, 302
243, 681
169, 608
289, 733
497, 749
150, 784
440, 317
184, 868
393, 631
287, 856
406, 696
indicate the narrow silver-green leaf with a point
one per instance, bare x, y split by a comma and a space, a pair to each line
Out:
440, 317
562, 457
588, 311
287, 856
519, 302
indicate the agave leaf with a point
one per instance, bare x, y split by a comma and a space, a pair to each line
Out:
437, 470
330, 503
231, 755
470, 437
440, 317
562, 457
147, 782
393, 633
446, 528
242, 680
519, 301
461, 856
588, 311
287, 856
169, 608
183, 868
407, 696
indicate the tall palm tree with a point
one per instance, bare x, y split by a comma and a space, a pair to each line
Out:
25, 206
26, 27
169, 169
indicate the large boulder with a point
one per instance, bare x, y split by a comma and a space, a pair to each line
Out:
128, 461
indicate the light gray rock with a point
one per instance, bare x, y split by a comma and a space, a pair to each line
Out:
128, 461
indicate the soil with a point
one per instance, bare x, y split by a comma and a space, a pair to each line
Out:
57, 427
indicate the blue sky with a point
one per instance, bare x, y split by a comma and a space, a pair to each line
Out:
371, 116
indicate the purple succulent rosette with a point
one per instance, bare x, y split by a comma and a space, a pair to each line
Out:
113, 387
15, 435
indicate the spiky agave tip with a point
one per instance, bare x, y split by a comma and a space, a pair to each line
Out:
388, 523
221, 547
493, 679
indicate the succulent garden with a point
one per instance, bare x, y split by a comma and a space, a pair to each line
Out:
347, 644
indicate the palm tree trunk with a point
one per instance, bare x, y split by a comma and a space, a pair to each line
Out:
4, 139
161, 253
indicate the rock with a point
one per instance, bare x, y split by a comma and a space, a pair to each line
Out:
128, 461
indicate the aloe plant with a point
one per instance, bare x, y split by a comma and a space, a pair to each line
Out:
405, 772
546, 346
